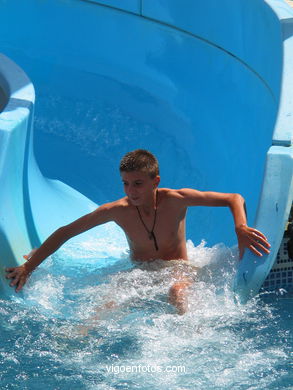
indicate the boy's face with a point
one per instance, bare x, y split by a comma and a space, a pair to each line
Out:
139, 187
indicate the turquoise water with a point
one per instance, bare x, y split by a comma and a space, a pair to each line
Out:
50, 340
179, 97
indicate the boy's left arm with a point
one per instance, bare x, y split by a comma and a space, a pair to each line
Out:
247, 237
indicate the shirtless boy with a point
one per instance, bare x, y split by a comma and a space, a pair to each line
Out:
153, 220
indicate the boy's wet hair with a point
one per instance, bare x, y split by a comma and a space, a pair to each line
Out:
140, 160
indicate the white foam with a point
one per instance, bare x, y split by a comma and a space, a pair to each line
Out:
212, 340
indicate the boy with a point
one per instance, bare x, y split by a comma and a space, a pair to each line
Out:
153, 220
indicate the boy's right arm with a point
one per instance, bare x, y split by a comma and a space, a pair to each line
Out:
19, 275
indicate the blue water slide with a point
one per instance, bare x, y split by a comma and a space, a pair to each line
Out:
206, 87
28, 199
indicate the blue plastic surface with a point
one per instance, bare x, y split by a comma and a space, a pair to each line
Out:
126, 5
202, 86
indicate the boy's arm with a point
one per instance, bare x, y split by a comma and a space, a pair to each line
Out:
247, 236
19, 275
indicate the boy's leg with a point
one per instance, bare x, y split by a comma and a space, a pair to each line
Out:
178, 295
184, 276
91, 322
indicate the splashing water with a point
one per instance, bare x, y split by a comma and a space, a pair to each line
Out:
90, 319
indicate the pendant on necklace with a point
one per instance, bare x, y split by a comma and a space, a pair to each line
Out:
151, 233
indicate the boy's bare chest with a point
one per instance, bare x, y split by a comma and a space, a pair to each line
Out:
166, 225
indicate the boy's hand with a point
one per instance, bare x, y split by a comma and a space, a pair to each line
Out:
252, 239
19, 275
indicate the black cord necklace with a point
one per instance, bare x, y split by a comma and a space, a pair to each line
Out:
151, 232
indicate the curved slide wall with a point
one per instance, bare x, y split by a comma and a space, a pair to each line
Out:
19, 231
199, 86
15, 123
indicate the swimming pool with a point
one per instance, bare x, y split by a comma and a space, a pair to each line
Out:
146, 76
217, 345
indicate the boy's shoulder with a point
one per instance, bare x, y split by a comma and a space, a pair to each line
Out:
170, 193
169, 197
118, 204
113, 210
177, 197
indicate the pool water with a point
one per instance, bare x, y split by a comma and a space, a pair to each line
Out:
58, 334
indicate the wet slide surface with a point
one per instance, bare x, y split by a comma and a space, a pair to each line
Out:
202, 102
